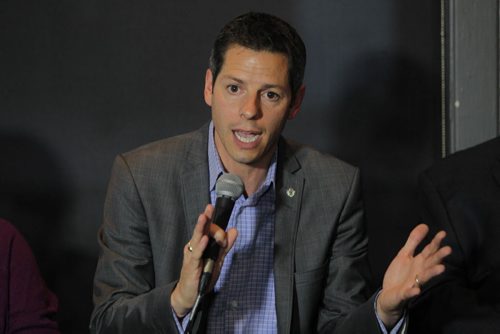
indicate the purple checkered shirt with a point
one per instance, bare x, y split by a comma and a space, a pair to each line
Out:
243, 300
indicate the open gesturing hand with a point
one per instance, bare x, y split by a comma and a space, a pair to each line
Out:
408, 271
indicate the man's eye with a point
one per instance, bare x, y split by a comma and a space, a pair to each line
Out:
272, 96
233, 88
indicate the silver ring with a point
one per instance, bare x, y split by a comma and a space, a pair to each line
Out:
190, 248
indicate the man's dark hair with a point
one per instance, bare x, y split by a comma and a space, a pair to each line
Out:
262, 32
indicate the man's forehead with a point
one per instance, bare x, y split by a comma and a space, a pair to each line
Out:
244, 65
235, 47
239, 59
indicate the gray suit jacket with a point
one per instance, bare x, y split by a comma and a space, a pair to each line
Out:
154, 198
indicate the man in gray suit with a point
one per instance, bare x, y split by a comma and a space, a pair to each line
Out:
294, 257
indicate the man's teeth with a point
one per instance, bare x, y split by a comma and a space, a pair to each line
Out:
246, 137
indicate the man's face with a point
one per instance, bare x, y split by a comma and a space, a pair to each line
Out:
251, 102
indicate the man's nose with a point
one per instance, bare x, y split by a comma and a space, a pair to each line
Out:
251, 107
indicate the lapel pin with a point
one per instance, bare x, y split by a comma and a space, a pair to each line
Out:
290, 192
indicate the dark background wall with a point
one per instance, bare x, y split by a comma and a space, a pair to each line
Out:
81, 81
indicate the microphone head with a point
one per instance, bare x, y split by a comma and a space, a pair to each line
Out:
229, 185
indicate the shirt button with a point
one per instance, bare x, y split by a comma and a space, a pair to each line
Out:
234, 304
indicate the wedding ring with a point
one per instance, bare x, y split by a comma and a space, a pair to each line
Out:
190, 248
417, 282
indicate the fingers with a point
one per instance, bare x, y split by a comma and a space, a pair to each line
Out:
436, 256
434, 266
434, 245
431, 260
433, 253
199, 239
415, 238
218, 234
232, 234
184, 294
203, 230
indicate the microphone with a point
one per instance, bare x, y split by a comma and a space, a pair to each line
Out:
228, 188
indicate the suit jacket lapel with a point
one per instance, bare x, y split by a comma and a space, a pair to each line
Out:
195, 182
196, 195
289, 186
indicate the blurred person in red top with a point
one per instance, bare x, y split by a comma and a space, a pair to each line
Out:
26, 304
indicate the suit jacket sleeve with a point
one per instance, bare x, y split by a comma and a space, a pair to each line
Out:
126, 297
345, 308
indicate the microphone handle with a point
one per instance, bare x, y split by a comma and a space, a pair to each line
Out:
223, 208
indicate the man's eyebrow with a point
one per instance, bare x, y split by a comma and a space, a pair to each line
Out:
227, 77
268, 86
264, 87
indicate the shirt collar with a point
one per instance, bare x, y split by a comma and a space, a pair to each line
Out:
215, 165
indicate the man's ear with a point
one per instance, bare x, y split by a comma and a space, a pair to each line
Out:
297, 102
208, 91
